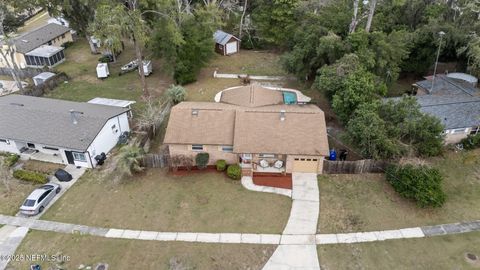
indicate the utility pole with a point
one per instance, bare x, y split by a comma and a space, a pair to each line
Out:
441, 33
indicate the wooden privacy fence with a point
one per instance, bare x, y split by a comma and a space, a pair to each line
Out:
155, 161
352, 167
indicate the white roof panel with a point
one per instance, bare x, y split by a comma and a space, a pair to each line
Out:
112, 102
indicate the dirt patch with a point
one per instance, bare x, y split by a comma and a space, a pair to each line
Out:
472, 259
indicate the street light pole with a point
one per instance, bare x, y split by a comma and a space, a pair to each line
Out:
441, 33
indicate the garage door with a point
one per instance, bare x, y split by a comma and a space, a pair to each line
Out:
305, 165
231, 47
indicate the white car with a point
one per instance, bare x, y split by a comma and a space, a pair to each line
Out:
39, 199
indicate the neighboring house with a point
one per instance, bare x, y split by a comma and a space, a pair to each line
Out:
251, 125
225, 43
460, 114
445, 85
454, 100
41, 47
59, 131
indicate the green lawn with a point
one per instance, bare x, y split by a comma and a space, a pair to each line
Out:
36, 21
122, 254
244, 62
364, 202
439, 253
11, 200
84, 85
200, 202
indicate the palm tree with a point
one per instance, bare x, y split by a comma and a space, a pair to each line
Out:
129, 160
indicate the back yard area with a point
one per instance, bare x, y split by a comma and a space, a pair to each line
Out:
200, 202
84, 85
440, 252
350, 203
130, 254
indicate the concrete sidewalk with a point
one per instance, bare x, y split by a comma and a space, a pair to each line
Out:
10, 239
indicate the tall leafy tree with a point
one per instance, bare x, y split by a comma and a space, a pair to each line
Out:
115, 21
185, 40
274, 20
358, 88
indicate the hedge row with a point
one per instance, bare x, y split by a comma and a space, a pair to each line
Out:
471, 142
420, 183
30, 176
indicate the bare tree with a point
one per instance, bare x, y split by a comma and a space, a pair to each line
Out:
372, 4
241, 19
353, 24
153, 115
7, 52
5, 174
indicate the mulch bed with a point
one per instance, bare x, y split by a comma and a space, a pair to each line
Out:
273, 180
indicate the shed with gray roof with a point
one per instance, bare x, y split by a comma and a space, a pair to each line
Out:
225, 43
75, 131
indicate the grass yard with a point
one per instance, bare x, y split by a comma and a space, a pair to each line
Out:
35, 22
11, 201
200, 202
84, 85
244, 62
122, 254
440, 253
350, 203
41, 167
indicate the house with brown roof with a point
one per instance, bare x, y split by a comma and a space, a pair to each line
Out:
259, 128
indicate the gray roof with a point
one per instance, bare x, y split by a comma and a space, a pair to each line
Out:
448, 86
222, 37
48, 121
38, 37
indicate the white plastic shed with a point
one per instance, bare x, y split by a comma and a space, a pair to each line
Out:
42, 77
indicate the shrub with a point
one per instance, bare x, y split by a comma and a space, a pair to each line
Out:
11, 159
202, 160
221, 165
234, 171
420, 183
30, 176
471, 142
176, 93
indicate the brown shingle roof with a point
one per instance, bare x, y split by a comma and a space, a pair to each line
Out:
262, 131
251, 96
250, 130
211, 124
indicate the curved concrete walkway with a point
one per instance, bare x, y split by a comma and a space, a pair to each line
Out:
247, 182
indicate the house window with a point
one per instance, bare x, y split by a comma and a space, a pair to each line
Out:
458, 130
266, 155
31, 145
50, 148
227, 148
79, 156
474, 130
197, 147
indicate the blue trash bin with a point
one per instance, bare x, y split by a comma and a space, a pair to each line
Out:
333, 155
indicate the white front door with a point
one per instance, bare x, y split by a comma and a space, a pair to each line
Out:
231, 47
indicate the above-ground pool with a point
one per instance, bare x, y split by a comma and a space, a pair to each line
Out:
289, 97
